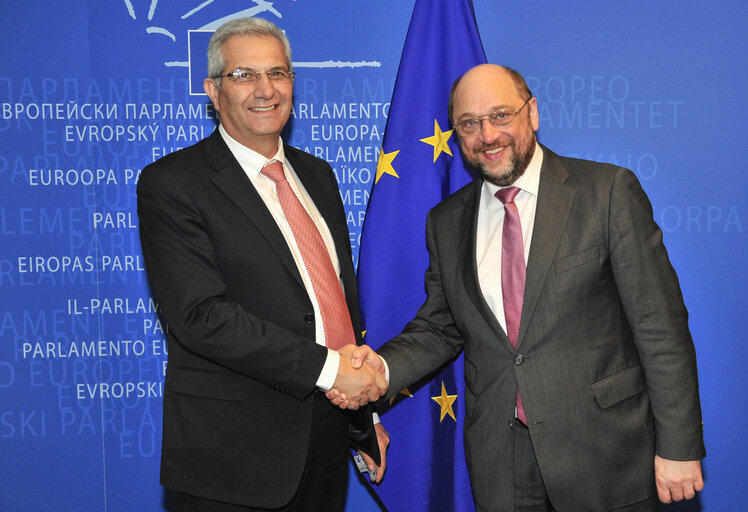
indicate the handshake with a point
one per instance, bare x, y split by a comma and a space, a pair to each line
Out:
360, 379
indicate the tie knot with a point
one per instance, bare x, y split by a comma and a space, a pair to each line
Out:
507, 195
274, 171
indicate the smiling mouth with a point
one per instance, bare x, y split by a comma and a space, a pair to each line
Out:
493, 153
263, 109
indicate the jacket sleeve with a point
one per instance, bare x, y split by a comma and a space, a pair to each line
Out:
431, 339
653, 303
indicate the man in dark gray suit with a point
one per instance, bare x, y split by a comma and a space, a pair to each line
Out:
248, 255
580, 372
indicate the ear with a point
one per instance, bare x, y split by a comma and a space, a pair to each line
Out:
533, 114
212, 91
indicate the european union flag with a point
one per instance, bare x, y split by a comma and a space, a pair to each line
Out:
419, 165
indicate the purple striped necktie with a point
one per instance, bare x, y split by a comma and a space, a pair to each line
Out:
513, 272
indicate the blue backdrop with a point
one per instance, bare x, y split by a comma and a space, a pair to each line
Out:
91, 92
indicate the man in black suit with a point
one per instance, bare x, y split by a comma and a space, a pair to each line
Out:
247, 251
581, 390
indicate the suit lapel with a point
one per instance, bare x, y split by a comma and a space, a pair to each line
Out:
467, 215
554, 204
234, 183
321, 200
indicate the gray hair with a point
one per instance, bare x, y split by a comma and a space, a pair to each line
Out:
255, 27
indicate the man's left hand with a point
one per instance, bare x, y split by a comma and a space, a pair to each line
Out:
383, 438
677, 479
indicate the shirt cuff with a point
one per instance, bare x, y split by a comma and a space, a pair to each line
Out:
329, 372
386, 370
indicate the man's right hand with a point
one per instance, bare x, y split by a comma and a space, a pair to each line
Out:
357, 383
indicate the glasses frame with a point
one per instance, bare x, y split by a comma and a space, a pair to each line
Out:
234, 75
460, 127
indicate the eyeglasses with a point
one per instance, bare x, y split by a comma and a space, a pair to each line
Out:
498, 119
250, 76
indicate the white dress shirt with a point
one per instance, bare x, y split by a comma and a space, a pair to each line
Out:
252, 164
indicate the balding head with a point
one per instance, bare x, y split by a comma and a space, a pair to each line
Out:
488, 73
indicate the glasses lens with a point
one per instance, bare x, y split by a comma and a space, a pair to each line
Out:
469, 126
244, 76
501, 118
278, 75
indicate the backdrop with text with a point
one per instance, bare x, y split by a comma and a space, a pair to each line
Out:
91, 92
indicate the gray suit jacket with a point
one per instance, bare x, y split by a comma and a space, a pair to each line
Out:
605, 360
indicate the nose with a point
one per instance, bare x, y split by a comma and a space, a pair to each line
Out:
264, 87
488, 132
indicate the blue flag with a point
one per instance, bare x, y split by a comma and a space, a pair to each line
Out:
419, 165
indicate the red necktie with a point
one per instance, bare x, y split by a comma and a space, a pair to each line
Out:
335, 317
513, 272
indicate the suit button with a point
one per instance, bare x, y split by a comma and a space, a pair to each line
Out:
309, 318
518, 359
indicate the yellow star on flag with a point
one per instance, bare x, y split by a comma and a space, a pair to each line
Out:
403, 391
439, 141
384, 165
445, 401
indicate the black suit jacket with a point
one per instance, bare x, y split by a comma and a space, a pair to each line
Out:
605, 361
243, 362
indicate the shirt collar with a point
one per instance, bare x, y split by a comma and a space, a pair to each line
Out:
251, 161
529, 181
